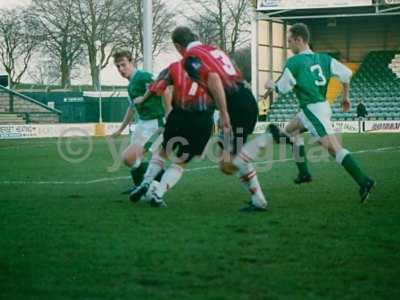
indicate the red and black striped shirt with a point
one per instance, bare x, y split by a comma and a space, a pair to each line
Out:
187, 94
201, 60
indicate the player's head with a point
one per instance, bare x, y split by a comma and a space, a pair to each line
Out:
124, 62
181, 37
299, 37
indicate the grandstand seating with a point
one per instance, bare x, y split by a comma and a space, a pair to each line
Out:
375, 84
11, 119
16, 108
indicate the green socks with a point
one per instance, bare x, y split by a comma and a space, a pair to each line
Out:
137, 173
301, 159
351, 166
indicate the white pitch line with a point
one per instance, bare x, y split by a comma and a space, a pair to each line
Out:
107, 179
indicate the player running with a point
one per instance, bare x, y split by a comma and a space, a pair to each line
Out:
187, 130
307, 74
149, 115
215, 72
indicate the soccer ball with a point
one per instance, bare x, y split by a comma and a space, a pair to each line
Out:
227, 167
153, 188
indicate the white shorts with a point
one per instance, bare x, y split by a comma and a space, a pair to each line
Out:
143, 131
316, 117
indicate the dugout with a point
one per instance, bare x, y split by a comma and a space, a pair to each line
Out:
360, 33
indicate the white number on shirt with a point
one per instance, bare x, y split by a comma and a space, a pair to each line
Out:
193, 89
322, 80
226, 62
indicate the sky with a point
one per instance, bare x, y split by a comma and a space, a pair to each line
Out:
109, 75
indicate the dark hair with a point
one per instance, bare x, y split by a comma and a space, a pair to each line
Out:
300, 30
183, 36
120, 54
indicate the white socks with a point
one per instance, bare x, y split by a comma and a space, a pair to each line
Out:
252, 149
247, 172
248, 177
170, 178
155, 166
340, 155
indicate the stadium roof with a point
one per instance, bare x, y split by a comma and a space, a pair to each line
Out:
378, 8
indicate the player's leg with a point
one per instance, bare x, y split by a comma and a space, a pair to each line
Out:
146, 133
316, 118
295, 129
158, 159
243, 112
292, 135
195, 128
133, 154
132, 158
348, 162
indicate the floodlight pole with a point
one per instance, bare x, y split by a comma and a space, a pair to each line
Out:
254, 53
100, 98
98, 49
148, 35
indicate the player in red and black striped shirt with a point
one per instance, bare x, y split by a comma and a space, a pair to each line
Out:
187, 130
215, 72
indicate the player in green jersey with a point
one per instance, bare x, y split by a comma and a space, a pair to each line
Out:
307, 74
149, 115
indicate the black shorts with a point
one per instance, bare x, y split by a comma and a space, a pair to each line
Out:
187, 132
243, 112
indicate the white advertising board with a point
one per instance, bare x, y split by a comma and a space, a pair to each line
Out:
382, 126
30, 131
89, 129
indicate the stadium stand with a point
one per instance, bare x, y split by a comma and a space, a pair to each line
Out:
375, 84
16, 108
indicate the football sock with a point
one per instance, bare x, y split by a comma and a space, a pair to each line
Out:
170, 178
345, 158
159, 175
138, 172
299, 154
252, 149
248, 177
279, 135
155, 166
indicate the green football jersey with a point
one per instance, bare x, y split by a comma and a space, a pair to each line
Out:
152, 108
311, 72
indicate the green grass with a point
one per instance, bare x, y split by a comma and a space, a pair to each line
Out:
85, 241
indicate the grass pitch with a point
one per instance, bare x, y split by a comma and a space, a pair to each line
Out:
67, 233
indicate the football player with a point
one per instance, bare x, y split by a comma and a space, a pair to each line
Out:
212, 69
187, 130
307, 74
149, 115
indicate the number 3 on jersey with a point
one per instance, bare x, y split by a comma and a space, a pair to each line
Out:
226, 62
317, 70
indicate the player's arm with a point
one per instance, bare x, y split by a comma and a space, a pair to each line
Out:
344, 74
217, 91
198, 72
283, 85
157, 87
167, 98
126, 121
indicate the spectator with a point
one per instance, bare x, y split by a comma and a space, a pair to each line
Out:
361, 110
361, 114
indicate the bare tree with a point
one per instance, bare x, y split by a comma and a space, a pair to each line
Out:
242, 58
43, 72
227, 22
99, 23
17, 42
163, 23
62, 39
